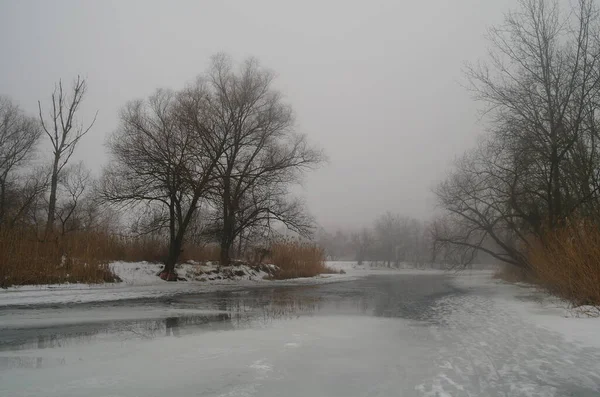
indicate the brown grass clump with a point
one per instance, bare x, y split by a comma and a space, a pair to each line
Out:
298, 259
567, 262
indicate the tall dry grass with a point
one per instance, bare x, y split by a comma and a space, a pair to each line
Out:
298, 259
84, 257
27, 259
567, 262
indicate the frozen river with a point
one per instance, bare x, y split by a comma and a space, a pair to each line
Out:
387, 335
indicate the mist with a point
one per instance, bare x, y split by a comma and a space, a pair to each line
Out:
377, 85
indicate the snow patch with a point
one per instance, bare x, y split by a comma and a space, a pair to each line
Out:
144, 273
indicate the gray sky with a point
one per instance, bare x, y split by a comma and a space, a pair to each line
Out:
375, 83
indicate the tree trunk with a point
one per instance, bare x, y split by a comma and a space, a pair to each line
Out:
225, 248
168, 272
227, 238
52, 201
175, 243
240, 246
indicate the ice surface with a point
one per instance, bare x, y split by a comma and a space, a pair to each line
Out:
487, 339
329, 358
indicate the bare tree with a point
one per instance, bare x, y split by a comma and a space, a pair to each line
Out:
163, 157
25, 198
338, 245
263, 155
391, 238
64, 132
19, 135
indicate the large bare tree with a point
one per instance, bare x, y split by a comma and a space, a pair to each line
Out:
163, 156
64, 133
263, 157
19, 135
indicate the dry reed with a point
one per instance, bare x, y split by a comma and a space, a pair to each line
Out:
567, 262
298, 259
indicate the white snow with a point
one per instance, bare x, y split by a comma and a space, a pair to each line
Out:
144, 273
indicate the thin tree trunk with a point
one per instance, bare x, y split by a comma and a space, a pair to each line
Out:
52, 201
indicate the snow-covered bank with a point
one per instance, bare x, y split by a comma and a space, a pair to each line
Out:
139, 281
536, 307
500, 339
145, 273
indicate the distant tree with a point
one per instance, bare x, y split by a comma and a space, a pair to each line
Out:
64, 132
19, 135
363, 243
417, 247
337, 246
390, 236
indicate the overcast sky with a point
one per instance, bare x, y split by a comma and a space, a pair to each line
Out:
375, 83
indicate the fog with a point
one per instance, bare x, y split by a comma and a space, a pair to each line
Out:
376, 84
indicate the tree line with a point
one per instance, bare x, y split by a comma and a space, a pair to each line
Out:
537, 168
213, 161
391, 240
